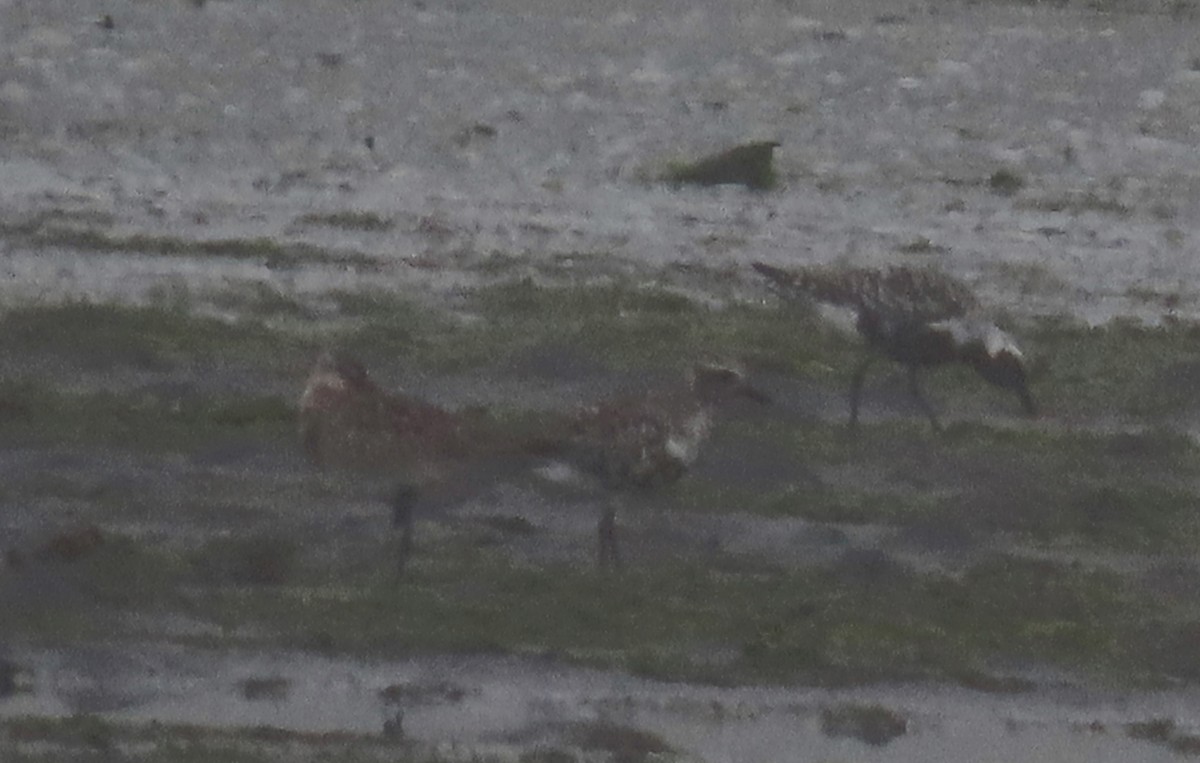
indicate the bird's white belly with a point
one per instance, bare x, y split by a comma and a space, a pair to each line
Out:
562, 473
684, 443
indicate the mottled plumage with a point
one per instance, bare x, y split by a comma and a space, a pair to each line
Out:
917, 317
639, 443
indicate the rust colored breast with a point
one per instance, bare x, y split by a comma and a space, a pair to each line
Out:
353, 425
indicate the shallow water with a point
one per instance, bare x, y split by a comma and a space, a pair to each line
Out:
494, 704
520, 132
524, 128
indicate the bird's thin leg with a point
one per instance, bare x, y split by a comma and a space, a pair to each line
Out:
607, 530
856, 384
915, 389
402, 520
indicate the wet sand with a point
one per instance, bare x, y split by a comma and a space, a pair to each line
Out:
311, 148
505, 705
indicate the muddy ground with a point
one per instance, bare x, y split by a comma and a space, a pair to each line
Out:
198, 197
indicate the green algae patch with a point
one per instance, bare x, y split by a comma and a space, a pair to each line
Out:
864, 617
856, 620
101, 336
1005, 182
139, 420
1053, 486
368, 222
856, 507
874, 724
897, 624
749, 164
258, 300
271, 252
1124, 491
380, 326
1076, 203
1123, 366
260, 559
1164, 732
622, 324
624, 743
630, 324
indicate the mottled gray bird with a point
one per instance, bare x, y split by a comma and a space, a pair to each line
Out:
635, 444
918, 317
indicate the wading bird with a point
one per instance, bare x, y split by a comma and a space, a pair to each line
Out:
634, 444
918, 317
429, 454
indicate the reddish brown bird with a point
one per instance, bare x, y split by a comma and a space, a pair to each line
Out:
348, 423
66, 546
70, 545
919, 317
635, 444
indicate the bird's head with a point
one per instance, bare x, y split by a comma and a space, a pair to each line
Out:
996, 357
335, 380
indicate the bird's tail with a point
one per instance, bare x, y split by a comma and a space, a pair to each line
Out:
780, 278
836, 286
508, 451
